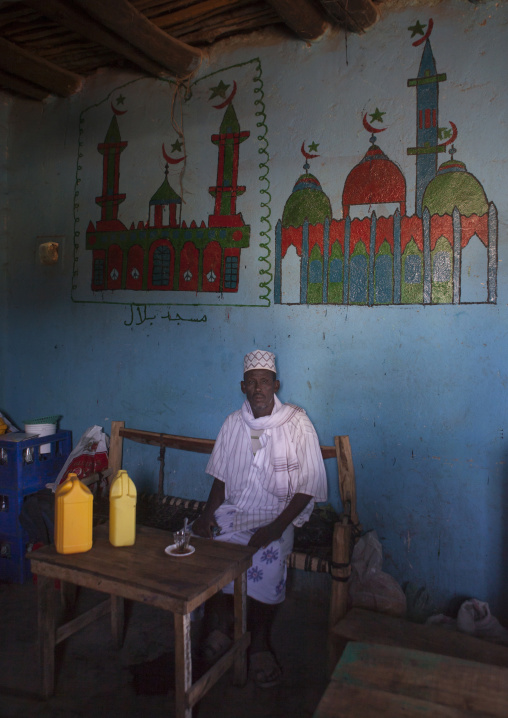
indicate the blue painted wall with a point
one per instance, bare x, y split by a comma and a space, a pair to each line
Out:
420, 390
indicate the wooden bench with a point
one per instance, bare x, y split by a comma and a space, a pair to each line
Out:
333, 559
377, 628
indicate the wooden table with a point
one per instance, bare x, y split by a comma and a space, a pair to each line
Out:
144, 573
374, 680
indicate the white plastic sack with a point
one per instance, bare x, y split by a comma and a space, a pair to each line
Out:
474, 617
369, 586
90, 456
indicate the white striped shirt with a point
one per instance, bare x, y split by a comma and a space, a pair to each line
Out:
254, 490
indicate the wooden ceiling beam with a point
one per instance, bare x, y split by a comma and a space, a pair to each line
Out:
353, 15
202, 11
123, 19
22, 87
18, 62
73, 18
303, 17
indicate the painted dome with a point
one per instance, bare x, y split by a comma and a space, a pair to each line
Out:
306, 202
374, 180
165, 194
454, 186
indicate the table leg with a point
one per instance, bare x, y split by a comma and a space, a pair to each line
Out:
117, 619
47, 632
240, 627
183, 665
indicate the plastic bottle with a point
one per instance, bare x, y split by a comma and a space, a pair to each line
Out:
73, 516
122, 510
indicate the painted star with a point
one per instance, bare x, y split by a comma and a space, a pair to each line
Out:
417, 28
444, 133
176, 146
120, 100
313, 146
377, 115
219, 90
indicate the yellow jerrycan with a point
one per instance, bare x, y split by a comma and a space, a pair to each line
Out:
122, 510
73, 516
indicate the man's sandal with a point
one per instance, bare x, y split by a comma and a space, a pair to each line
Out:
264, 669
214, 646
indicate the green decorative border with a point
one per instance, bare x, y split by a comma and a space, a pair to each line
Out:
266, 269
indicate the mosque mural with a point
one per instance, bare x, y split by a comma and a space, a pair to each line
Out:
160, 202
446, 253
164, 253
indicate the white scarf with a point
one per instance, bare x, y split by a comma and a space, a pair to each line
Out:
283, 456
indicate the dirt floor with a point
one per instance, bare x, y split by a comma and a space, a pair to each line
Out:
95, 680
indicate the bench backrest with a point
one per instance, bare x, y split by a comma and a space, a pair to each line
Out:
341, 451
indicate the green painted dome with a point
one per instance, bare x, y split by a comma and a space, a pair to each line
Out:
306, 202
165, 194
454, 186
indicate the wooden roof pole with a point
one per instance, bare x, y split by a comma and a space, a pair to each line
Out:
73, 18
22, 87
302, 17
19, 62
353, 15
123, 19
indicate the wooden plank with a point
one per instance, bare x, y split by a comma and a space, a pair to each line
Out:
303, 17
22, 87
437, 679
206, 681
122, 18
353, 15
115, 447
347, 483
345, 701
92, 478
173, 441
200, 11
117, 619
84, 619
35, 69
73, 18
341, 554
46, 627
186, 443
183, 666
240, 627
369, 626
232, 23
143, 572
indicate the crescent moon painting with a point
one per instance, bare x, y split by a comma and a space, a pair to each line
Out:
454, 134
369, 127
171, 160
306, 154
118, 112
426, 36
228, 99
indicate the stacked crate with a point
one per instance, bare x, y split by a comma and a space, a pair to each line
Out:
24, 469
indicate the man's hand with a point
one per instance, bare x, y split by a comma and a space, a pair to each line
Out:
204, 525
272, 532
265, 535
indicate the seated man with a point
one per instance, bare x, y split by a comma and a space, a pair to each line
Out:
268, 471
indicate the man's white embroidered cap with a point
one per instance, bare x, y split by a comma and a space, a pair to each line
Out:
259, 359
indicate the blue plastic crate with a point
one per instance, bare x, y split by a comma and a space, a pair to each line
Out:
10, 508
14, 567
23, 468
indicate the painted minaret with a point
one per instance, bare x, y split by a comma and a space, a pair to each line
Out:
110, 149
427, 101
227, 189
